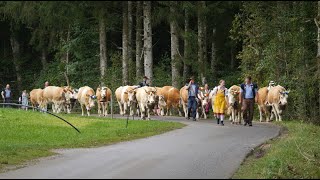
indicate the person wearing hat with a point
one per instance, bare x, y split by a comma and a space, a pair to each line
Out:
271, 84
193, 89
144, 82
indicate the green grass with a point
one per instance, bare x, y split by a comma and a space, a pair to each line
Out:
29, 135
295, 154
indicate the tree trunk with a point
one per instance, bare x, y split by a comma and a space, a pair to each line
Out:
200, 41
139, 27
174, 46
130, 44
186, 67
205, 52
213, 54
67, 60
16, 58
147, 45
317, 21
125, 32
44, 61
103, 49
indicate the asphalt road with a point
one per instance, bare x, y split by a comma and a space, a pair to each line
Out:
202, 149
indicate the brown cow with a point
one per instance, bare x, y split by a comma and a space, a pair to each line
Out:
36, 98
86, 97
103, 98
172, 98
277, 98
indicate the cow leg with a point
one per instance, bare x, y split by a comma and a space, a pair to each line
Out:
148, 111
99, 108
260, 113
82, 109
185, 109
275, 112
232, 116
180, 114
204, 112
278, 111
142, 111
106, 108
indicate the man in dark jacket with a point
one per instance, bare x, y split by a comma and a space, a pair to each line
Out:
193, 89
7, 94
144, 82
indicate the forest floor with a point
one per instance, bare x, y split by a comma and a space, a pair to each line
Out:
26, 135
295, 154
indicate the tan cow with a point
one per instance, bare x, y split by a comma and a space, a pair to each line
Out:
264, 109
184, 100
234, 109
104, 96
56, 96
36, 98
146, 97
123, 93
277, 98
86, 97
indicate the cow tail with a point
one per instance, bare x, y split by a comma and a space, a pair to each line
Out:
111, 101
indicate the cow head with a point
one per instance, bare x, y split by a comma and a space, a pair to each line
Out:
104, 92
161, 101
204, 99
90, 103
283, 97
75, 93
132, 96
233, 96
151, 96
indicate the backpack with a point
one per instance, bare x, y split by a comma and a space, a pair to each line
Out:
254, 86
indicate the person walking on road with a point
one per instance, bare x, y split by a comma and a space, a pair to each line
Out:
248, 96
220, 102
193, 89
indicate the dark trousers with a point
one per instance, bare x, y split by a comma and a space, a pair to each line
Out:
192, 104
7, 100
247, 109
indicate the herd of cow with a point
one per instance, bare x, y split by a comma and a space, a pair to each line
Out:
141, 101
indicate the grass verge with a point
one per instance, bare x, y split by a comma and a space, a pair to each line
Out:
28, 135
293, 155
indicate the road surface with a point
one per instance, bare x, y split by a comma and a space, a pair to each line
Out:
202, 149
